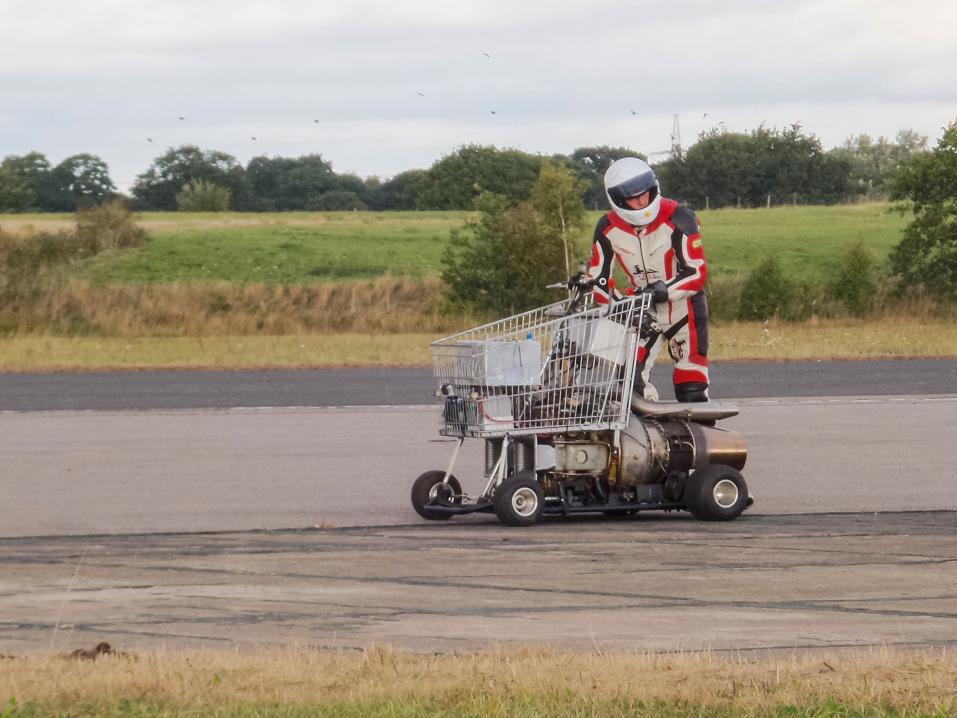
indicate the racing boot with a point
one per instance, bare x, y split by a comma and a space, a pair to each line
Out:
692, 391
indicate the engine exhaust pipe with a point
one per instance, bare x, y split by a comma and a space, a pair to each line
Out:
718, 446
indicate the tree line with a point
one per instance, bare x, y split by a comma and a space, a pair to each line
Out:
785, 166
511, 250
721, 169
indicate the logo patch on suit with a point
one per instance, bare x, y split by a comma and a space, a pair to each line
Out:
676, 348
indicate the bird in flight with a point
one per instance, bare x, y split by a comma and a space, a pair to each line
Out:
493, 112
486, 54
634, 113
149, 139
420, 94
704, 115
253, 139
316, 121
182, 118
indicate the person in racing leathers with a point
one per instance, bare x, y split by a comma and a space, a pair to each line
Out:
658, 244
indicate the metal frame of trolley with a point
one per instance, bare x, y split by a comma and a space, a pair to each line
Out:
563, 369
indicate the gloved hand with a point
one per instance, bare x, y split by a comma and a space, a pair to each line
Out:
658, 291
648, 326
579, 281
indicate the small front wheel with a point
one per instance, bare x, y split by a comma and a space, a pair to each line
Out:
430, 491
519, 500
716, 493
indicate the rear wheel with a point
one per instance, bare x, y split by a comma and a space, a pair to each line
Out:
519, 500
430, 491
716, 493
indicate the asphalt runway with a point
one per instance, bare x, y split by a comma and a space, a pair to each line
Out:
755, 586
96, 472
108, 391
230, 527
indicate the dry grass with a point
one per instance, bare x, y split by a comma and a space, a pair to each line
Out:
886, 338
75, 307
26, 225
924, 682
47, 353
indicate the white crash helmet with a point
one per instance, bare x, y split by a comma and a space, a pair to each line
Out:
630, 177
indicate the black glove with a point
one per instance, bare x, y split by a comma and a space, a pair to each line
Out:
648, 327
579, 281
658, 291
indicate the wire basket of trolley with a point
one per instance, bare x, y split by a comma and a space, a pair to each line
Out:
550, 393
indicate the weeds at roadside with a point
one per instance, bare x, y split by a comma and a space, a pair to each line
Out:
530, 681
386, 305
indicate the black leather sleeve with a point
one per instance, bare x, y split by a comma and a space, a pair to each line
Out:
685, 220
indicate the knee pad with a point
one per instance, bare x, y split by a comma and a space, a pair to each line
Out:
691, 391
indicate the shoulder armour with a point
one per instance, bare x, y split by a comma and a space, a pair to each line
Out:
684, 219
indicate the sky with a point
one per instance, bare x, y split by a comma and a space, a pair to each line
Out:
380, 87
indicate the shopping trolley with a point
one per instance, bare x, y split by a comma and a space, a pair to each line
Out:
550, 393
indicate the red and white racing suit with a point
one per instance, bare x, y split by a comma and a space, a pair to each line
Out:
669, 250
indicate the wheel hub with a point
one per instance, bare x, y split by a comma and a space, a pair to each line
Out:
725, 493
525, 502
440, 492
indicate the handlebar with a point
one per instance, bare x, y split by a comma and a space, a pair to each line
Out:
645, 322
578, 291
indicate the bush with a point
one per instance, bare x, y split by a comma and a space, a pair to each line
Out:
926, 258
859, 281
724, 296
44, 250
767, 293
503, 261
108, 226
203, 196
26, 260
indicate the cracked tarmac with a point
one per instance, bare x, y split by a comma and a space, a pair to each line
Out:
662, 582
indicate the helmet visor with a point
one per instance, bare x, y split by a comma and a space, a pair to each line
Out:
632, 187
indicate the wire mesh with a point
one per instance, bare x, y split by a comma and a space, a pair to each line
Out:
541, 371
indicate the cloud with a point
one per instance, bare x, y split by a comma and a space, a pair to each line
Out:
396, 85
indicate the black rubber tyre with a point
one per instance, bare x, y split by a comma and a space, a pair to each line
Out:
519, 500
428, 490
716, 493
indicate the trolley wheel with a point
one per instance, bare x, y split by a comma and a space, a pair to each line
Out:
428, 490
519, 500
716, 493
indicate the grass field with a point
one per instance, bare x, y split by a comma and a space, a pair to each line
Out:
533, 682
360, 288
275, 248
282, 248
